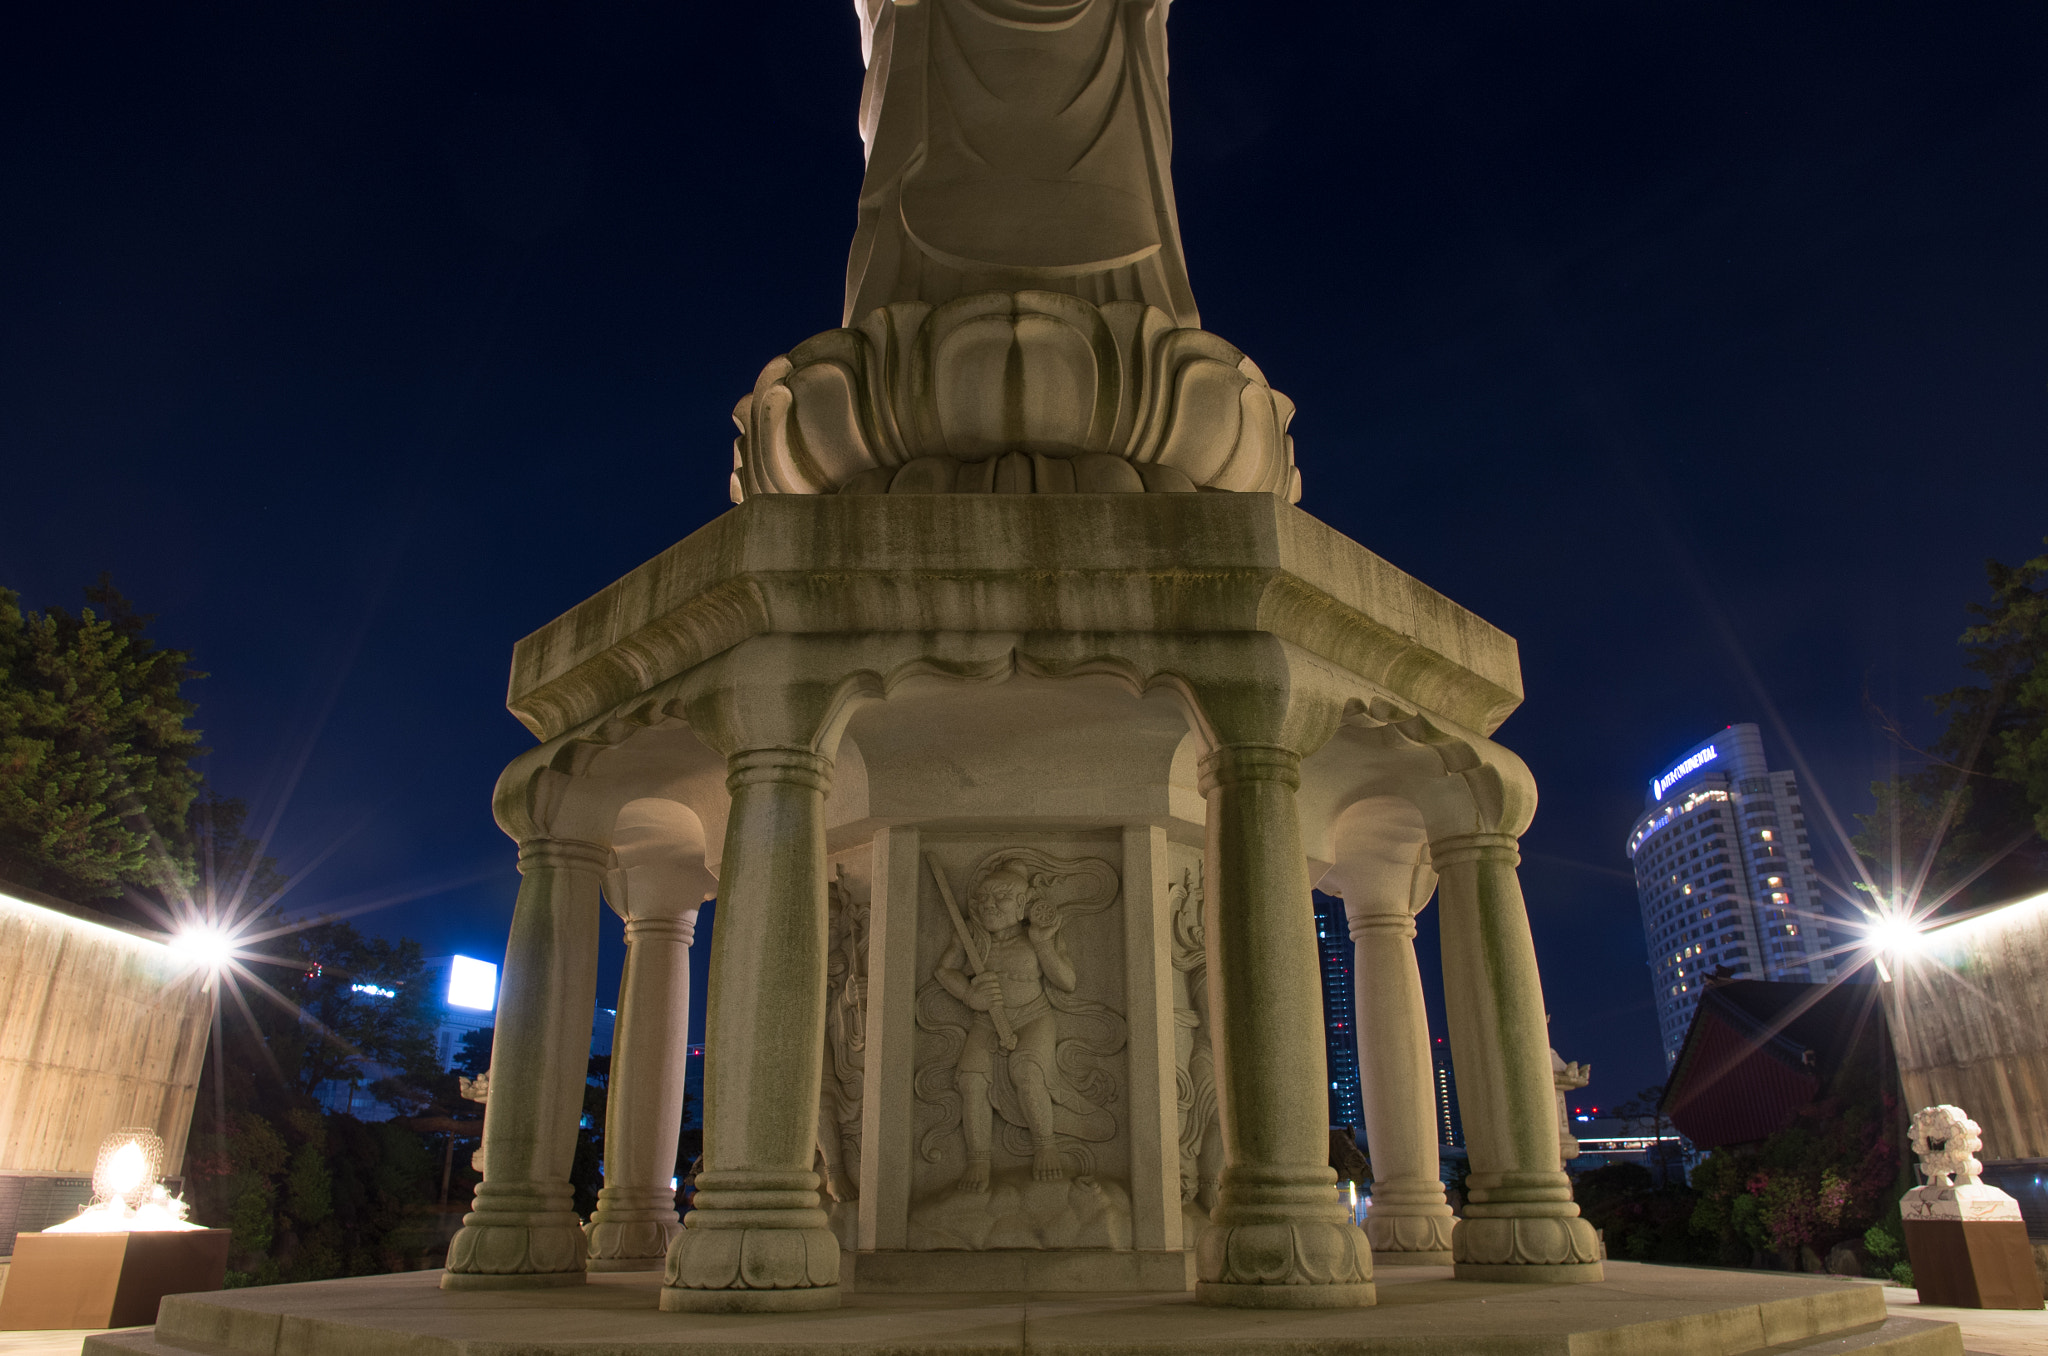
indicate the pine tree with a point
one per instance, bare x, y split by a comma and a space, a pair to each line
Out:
96, 775
1975, 815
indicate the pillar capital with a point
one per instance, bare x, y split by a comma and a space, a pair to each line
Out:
564, 854
674, 927
801, 767
1236, 764
1399, 924
1504, 848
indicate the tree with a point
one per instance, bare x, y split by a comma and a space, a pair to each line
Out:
1646, 1108
1974, 816
96, 775
311, 1195
367, 1010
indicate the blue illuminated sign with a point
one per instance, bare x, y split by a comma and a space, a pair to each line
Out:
1690, 764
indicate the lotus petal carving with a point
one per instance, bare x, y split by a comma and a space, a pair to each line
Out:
753, 1259
1540, 1240
516, 1250
1013, 392
1304, 1253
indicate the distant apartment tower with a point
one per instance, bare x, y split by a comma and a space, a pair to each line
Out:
1340, 1027
1725, 877
1450, 1131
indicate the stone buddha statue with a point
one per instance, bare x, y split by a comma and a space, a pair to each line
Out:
1017, 144
1018, 316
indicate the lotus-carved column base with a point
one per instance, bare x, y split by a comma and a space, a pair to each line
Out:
759, 1243
1538, 1249
1281, 1241
1284, 1266
1416, 1237
515, 1240
631, 1229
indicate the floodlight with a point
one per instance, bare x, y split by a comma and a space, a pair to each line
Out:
204, 944
1896, 933
472, 984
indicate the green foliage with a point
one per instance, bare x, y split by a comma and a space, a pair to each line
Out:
1641, 1220
1888, 1252
96, 774
473, 1059
393, 1027
1982, 796
586, 1172
312, 1195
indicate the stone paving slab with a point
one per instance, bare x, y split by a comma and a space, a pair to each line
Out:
1638, 1311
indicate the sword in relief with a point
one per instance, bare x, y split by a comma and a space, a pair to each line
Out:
998, 1014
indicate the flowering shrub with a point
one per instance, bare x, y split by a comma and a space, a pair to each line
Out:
1824, 1179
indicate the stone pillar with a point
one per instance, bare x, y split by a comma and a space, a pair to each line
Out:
1520, 1223
1279, 1238
1408, 1223
757, 1239
635, 1220
523, 1230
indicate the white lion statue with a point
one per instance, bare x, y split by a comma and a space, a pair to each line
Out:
1947, 1141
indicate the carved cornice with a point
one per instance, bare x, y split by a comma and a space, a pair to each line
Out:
1100, 565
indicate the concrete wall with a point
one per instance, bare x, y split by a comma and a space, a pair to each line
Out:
1970, 1020
100, 1029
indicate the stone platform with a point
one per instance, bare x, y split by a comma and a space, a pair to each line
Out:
1637, 1311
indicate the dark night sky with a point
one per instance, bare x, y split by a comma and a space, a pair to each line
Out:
1703, 347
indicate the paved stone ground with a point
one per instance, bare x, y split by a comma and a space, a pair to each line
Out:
1992, 1332
1985, 1332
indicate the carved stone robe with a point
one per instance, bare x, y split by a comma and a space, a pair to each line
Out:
1017, 144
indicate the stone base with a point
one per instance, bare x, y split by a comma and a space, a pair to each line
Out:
1017, 1212
1410, 1259
1224, 1295
106, 1280
1421, 1312
510, 1280
1017, 1269
1973, 1264
1529, 1273
627, 1263
799, 1299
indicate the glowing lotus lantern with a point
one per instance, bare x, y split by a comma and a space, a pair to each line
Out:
126, 1196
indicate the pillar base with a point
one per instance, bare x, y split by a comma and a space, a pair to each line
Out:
732, 1271
629, 1244
1537, 1249
1300, 1264
1422, 1239
1225, 1295
514, 1256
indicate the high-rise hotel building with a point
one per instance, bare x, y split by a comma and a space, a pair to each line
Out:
1725, 877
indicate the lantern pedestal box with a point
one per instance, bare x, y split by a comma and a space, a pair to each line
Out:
107, 1280
1973, 1263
